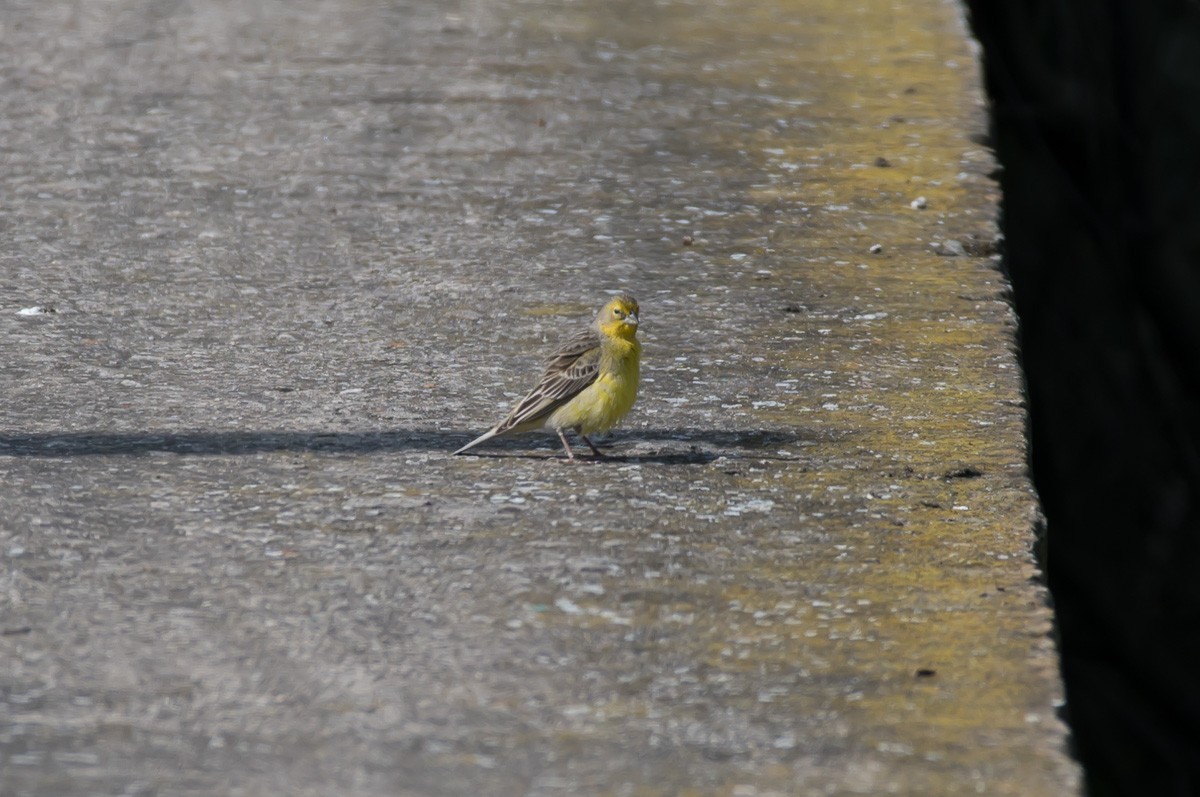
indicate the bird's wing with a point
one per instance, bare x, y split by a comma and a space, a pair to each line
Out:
572, 368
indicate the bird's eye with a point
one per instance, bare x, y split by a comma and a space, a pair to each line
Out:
619, 313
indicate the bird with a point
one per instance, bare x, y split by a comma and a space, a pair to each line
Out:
589, 384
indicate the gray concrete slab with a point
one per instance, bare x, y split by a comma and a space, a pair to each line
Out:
290, 255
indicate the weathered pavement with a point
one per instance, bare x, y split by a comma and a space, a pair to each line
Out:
298, 252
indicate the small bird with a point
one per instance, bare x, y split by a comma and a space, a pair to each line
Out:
588, 385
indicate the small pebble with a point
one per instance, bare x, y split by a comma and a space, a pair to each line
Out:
949, 248
920, 203
875, 249
882, 162
688, 240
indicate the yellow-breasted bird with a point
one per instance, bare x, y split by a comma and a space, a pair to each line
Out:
589, 384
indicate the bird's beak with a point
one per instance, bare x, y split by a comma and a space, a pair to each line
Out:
631, 319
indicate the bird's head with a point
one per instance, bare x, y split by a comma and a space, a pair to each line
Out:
619, 317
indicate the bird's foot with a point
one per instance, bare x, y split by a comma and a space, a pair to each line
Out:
596, 453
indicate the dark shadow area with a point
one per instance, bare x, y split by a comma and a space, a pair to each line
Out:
1096, 119
1038, 549
693, 456
79, 444
679, 445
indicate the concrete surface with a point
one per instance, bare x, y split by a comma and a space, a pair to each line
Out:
296, 253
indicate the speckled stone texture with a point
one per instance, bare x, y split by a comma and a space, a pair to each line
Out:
288, 256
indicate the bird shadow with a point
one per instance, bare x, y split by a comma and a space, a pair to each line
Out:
675, 446
690, 457
668, 446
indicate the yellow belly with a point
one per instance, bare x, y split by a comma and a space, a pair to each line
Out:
603, 403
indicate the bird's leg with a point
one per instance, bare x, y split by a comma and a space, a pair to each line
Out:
599, 454
566, 445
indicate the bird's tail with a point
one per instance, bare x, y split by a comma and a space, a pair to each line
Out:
488, 435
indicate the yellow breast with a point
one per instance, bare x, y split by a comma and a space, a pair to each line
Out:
604, 402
